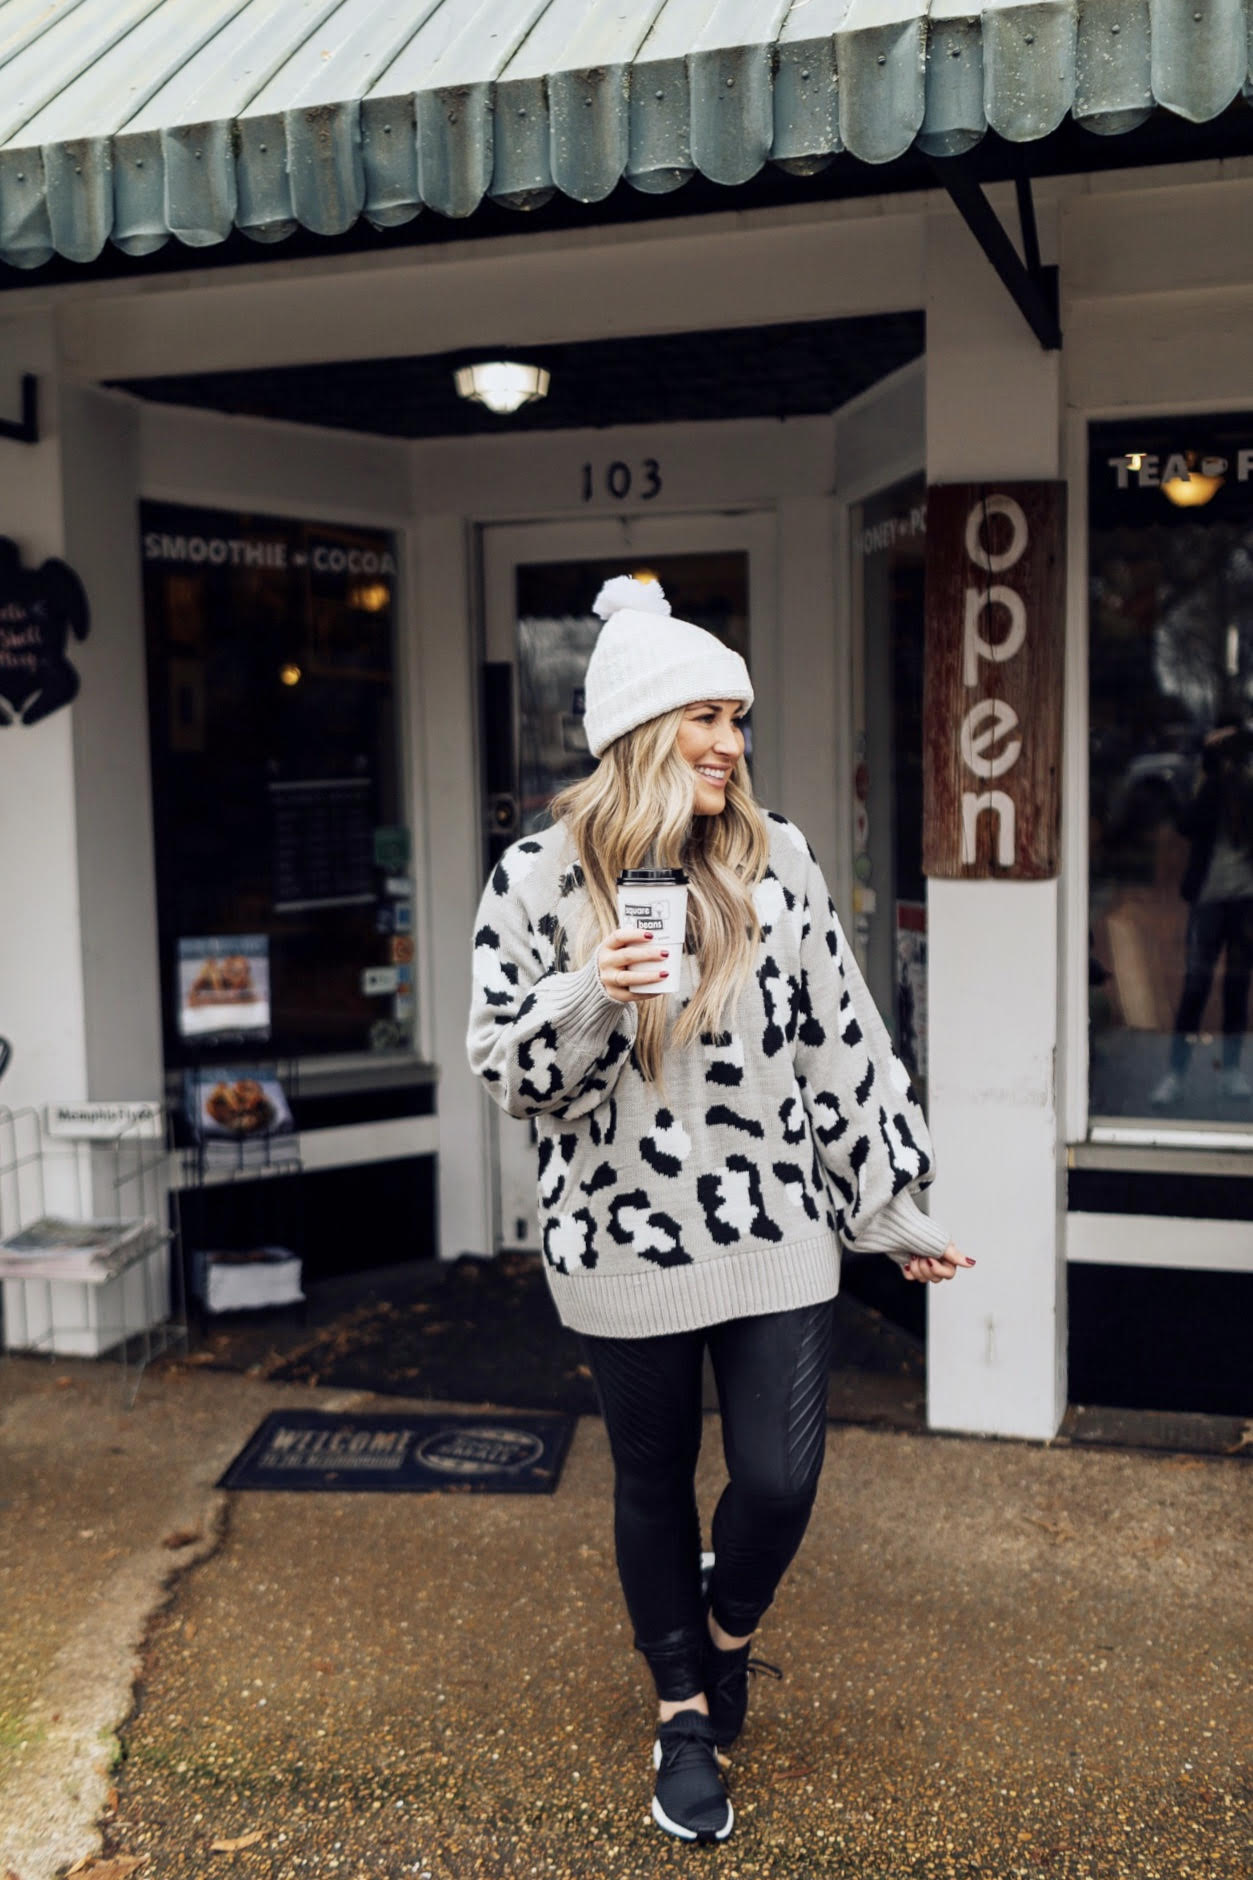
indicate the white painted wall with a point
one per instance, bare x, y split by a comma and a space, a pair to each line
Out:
122, 1001
996, 1352
448, 731
41, 965
803, 263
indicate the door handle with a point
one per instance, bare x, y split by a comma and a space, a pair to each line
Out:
502, 814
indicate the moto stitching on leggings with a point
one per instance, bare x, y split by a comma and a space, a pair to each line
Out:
771, 1373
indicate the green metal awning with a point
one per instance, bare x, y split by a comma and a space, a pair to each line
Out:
132, 121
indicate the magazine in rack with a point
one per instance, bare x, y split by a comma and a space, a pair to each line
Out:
55, 1248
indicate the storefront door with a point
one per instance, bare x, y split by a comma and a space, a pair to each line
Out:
538, 586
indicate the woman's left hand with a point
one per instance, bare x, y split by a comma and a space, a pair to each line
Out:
929, 1267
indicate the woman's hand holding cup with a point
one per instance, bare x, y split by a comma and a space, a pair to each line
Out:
630, 964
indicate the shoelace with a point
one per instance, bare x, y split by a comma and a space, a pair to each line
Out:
760, 1664
682, 1748
731, 1674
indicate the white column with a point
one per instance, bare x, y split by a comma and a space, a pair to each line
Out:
41, 962
112, 767
453, 843
996, 1339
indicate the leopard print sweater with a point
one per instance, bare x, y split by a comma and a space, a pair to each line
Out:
773, 1144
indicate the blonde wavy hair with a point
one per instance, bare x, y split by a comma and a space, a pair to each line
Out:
637, 810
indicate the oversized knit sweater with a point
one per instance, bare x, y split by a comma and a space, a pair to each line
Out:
730, 1189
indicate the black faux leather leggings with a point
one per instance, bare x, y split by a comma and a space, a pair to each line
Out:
771, 1373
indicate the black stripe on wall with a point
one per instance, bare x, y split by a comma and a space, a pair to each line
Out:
1144, 1191
336, 1108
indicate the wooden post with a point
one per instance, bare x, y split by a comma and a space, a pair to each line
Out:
992, 712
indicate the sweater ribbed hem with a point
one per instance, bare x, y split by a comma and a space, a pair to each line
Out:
758, 1277
901, 1229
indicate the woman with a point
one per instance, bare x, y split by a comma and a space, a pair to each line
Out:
702, 1156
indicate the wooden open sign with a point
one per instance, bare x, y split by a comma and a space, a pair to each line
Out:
992, 704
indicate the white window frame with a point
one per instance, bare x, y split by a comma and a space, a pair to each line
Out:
1080, 1133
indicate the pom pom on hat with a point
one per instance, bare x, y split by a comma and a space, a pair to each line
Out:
642, 597
645, 662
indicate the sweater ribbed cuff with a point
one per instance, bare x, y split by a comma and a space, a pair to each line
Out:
900, 1229
577, 1004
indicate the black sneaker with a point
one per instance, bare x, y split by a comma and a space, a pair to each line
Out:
690, 1800
726, 1686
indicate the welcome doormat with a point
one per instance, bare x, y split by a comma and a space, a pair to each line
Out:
499, 1454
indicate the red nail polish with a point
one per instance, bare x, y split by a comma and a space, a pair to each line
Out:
663, 975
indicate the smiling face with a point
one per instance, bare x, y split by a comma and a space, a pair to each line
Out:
711, 740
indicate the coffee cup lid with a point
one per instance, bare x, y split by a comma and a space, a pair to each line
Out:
652, 878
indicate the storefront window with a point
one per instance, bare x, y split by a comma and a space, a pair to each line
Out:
283, 887
1171, 812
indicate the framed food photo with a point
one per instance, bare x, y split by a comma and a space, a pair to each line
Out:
224, 986
236, 1104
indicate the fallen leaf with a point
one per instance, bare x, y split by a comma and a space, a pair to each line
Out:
111, 1801
181, 1537
324, 1666
1059, 1530
113, 1867
190, 1628
233, 1847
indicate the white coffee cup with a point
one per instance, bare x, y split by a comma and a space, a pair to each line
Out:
654, 901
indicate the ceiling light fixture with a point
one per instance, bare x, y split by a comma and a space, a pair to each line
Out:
503, 385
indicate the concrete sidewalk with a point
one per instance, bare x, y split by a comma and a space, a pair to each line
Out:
1001, 1660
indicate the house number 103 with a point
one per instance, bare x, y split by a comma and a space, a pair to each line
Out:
619, 479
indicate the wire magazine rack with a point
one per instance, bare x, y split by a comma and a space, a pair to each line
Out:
129, 1302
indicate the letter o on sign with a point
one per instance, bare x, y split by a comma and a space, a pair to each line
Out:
997, 720
983, 557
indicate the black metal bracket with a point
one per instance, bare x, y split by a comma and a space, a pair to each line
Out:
1033, 288
26, 429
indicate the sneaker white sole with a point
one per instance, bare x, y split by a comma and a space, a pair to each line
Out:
672, 1827
689, 1834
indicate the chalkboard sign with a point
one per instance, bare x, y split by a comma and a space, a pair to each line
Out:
39, 610
323, 843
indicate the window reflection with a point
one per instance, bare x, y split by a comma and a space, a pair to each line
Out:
1171, 756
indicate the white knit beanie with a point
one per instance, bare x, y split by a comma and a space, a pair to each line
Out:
645, 662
